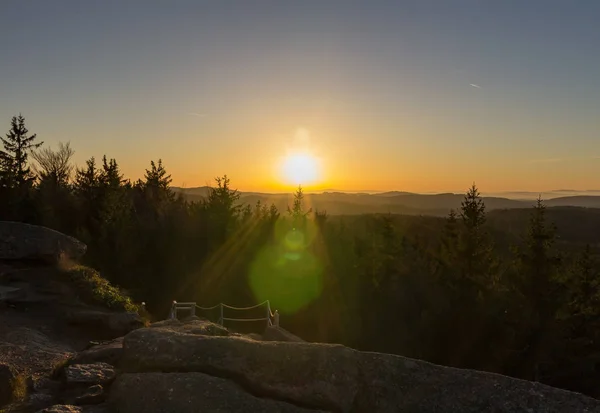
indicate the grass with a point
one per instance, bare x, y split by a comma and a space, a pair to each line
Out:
91, 286
58, 368
19, 388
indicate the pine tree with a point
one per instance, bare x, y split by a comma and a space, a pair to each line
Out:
13, 159
321, 219
537, 260
273, 213
87, 180
297, 212
538, 284
449, 241
110, 175
157, 176
474, 250
223, 209
157, 183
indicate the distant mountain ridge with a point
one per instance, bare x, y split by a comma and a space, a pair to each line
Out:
395, 202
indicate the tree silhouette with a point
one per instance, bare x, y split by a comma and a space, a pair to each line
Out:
54, 166
537, 282
17, 145
475, 249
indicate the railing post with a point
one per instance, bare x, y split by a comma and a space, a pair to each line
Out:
221, 318
269, 314
173, 314
276, 317
193, 309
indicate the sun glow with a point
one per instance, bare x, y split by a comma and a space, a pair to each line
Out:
300, 169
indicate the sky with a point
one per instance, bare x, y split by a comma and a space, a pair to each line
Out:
415, 95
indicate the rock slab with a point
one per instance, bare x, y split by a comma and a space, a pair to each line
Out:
336, 378
188, 393
323, 376
109, 353
19, 241
89, 374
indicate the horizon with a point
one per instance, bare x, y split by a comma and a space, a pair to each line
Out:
420, 95
527, 195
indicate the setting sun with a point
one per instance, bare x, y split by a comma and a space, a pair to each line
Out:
300, 169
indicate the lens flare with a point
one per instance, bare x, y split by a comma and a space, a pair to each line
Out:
288, 273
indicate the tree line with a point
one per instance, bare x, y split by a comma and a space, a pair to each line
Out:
444, 290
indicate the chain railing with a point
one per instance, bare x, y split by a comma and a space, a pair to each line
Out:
271, 318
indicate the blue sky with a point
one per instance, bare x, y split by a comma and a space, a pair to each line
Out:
408, 95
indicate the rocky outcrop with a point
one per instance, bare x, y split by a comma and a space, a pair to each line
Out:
109, 352
189, 393
66, 408
273, 333
317, 376
89, 374
29, 350
105, 323
93, 395
20, 241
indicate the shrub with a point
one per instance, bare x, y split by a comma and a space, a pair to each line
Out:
91, 286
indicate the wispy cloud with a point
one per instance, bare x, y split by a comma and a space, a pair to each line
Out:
547, 160
474, 85
200, 115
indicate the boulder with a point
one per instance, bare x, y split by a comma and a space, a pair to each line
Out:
9, 293
273, 333
42, 384
105, 323
38, 401
42, 392
93, 395
19, 241
8, 375
67, 408
109, 353
317, 376
188, 393
193, 325
62, 408
336, 378
88, 374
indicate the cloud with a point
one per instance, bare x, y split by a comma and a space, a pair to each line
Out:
200, 115
474, 85
548, 160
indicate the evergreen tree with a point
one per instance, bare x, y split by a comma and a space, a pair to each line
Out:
449, 248
110, 176
87, 180
321, 219
15, 169
223, 209
157, 183
474, 250
538, 283
583, 285
297, 212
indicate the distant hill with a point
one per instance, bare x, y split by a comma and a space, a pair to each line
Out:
395, 202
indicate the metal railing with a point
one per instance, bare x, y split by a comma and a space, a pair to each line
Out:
271, 318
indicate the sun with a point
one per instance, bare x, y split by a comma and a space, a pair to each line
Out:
300, 169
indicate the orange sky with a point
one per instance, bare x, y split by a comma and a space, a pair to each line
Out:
394, 96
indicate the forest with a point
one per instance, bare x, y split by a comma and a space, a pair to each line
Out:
512, 292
